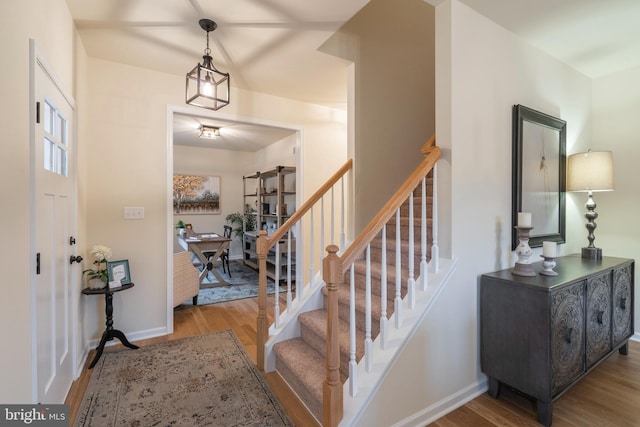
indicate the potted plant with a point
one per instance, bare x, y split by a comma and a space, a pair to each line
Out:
98, 277
236, 219
180, 226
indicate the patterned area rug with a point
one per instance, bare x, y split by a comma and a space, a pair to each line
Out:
243, 283
207, 380
240, 274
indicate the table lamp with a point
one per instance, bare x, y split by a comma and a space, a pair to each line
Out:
589, 172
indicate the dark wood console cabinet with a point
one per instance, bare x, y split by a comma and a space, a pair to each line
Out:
542, 334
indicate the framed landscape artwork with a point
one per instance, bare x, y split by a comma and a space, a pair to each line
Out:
196, 194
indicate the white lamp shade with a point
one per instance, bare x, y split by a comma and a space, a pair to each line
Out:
590, 171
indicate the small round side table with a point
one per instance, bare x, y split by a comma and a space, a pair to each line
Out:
110, 333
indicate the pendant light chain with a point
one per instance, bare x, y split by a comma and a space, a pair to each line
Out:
207, 51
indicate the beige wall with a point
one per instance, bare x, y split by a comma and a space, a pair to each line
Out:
489, 71
616, 127
127, 163
392, 45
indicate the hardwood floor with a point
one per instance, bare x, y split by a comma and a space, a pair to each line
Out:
240, 316
608, 396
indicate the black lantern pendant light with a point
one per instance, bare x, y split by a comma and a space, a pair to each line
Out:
206, 86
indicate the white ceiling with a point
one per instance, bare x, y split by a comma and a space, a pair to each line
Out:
271, 46
595, 37
267, 46
234, 135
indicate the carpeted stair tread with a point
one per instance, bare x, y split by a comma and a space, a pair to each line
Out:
404, 230
417, 207
376, 246
301, 361
360, 270
313, 329
343, 308
303, 368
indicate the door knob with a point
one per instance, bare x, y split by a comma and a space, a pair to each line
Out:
74, 258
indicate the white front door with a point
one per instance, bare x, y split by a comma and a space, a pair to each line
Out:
53, 229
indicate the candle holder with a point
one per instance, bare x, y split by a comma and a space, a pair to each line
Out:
547, 265
523, 267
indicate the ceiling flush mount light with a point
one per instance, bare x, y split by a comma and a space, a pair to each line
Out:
206, 86
589, 172
209, 132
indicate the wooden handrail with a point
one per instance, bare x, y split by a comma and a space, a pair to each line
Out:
379, 221
429, 145
334, 268
264, 244
306, 206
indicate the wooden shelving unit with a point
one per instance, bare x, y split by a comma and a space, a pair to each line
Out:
269, 196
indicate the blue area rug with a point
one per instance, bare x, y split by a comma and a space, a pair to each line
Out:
243, 283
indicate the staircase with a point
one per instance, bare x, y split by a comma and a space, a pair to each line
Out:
323, 344
301, 361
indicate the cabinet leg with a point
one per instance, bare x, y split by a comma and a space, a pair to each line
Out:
494, 387
624, 350
545, 413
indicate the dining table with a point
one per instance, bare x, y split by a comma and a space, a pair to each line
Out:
207, 247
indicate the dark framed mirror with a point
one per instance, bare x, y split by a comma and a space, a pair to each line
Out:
539, 179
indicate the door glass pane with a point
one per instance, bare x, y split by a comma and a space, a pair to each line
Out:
59, 127
62, 130
48, 117
61, 166
56, 140
48, 154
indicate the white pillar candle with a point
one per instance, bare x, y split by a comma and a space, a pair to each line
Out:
549, 249
524, 219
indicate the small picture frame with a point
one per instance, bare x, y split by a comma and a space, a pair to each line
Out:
119, 271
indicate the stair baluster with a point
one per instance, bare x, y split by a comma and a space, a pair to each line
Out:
367, 313
411, 283
276, 304
353, 364
435, 250
383, 290
397, 304
289, 294
423, 237
343, 235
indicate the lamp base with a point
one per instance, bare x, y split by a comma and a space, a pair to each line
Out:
592, 253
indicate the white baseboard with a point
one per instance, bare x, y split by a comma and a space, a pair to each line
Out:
444, 406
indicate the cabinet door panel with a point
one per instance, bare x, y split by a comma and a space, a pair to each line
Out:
622, 303
598, 317
567, 339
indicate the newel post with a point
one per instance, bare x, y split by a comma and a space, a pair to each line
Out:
262, 325
332, 389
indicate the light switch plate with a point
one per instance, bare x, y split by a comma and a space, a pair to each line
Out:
133, 212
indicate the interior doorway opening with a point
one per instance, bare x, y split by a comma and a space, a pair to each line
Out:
244, 146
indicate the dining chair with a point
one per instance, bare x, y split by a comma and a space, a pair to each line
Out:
224, 257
